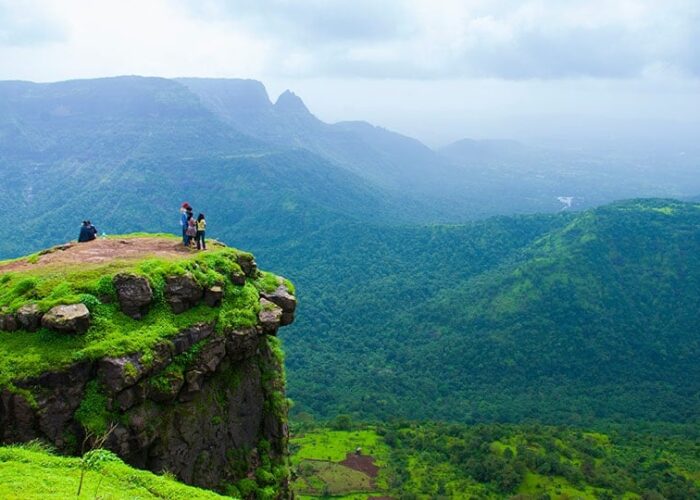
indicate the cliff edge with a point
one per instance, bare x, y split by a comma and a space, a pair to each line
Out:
168, 354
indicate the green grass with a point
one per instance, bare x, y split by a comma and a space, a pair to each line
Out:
338, 479
112, 333
335, 445
29, 473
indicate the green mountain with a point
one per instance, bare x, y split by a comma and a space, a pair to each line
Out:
566, 318
125, 152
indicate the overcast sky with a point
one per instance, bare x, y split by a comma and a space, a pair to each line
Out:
537, 70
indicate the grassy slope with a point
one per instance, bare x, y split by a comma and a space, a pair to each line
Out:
29, 473
24, 354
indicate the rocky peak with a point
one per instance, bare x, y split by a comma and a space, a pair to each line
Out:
289, 102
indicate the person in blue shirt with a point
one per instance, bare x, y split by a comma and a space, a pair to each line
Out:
185, 214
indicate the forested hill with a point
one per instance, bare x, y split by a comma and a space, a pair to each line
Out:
568, 318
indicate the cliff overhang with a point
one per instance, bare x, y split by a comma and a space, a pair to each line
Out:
171, 354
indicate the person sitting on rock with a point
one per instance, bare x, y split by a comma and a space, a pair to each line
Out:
87, 232
201, 228
93, 230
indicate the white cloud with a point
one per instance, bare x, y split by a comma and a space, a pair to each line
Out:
47, 39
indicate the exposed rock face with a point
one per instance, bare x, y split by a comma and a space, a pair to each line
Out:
134, 294
213, 296
28, 317
270, 316
182, 293
74, 318
197, 406
8, 322
285, 300
205, 403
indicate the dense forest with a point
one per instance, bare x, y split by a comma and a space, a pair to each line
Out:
563, 319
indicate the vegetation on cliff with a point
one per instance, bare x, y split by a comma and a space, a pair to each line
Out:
173, 364
67, 279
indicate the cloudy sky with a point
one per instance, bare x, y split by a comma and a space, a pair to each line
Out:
536, 70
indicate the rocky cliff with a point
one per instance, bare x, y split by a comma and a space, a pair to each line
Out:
169, 356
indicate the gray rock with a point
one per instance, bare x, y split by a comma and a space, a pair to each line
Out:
182, 292
248, 265
241, 344
270, 316
17, 418
210, 356
134, 294
189, 337
213, 296
116, 374
130, 397
73, 318
162, 356
8, 322
285, 300
238, 278
29, 317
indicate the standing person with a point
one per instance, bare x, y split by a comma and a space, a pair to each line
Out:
191, 231
183, 221
201, 229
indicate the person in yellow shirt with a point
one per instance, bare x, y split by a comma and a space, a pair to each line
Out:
201, 229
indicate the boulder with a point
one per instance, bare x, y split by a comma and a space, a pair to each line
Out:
270, 316
213, 296
182, 292
8, 322
29, 317
248, 265
134, 294
73, 318
116, 374
238, 278
189, 337
285, 300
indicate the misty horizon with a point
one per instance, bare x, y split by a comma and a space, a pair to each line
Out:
592, 75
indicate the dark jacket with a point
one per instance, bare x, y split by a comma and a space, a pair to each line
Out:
86, 234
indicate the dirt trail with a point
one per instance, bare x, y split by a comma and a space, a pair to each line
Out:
103, 250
